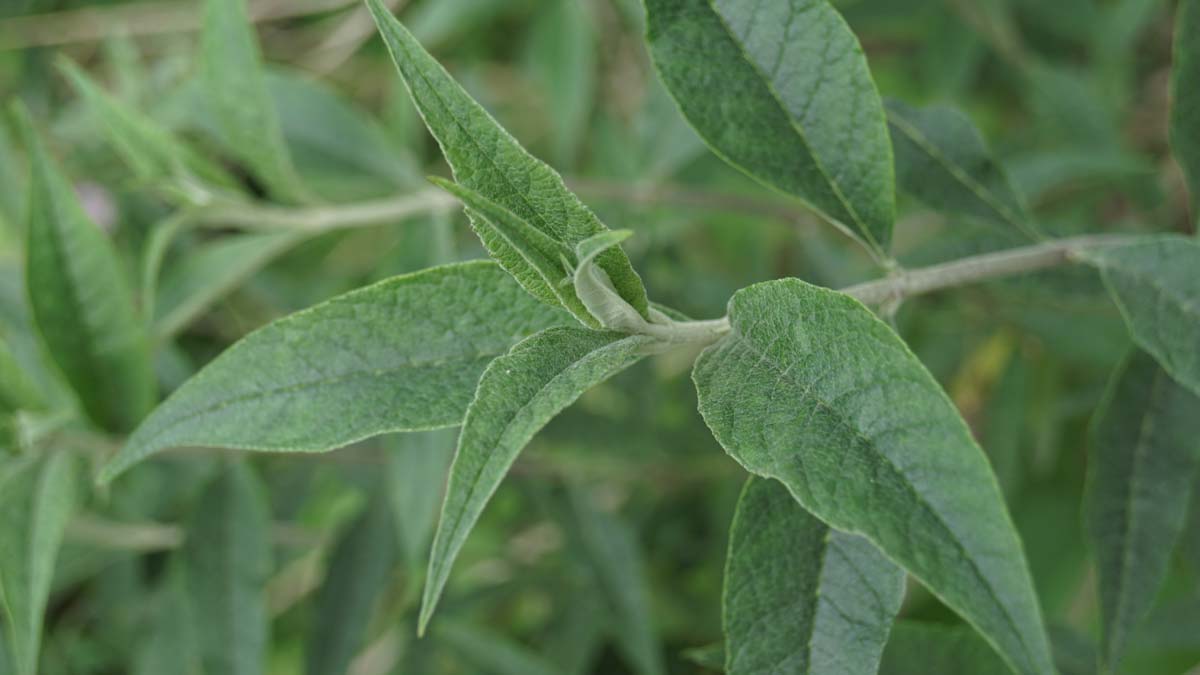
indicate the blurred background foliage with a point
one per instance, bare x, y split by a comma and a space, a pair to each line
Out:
603, 552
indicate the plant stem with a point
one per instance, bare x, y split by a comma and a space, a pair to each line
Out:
322, 218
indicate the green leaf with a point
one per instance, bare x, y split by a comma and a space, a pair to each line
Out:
562, 59
800, 597
402, 354
355, 581
931, 649
1155, 285
943, 160
170, 643
17, 390
226, 561
810, 388
81, 301
517, 395
489, 653
1145, 450
417, 467
782, 91
486, 159
237, 91
1185, 98
36, 500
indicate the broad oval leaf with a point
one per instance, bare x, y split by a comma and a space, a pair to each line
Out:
1157, 289
518, 394
810, 388
36, 500
1145, 450
81, 300
486, 159
799, 597
226, 562
781, 90
402, 354
1185, 97
942, 160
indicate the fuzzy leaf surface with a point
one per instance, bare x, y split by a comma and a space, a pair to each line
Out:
810, 388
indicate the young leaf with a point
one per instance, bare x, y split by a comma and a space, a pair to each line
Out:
417, 466
81, 301
237, 91
782, 91
810, 388
799, 597
36, 500
1155, 285
486, 159
226, 562
517, 395
1145, 450
930, 649
357, 576
1185, 98
942, 159
402, 354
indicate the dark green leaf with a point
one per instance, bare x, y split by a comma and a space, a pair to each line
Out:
226, 561
812, 389
402, 354
1145, 450
81, 301
485, 158
1185, 97
799, 597
930, 649
782, 91
517, 395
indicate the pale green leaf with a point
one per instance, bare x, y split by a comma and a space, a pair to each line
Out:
942, 160
1185, 97
781, 90
486, 159
1145, 450
932, 649
1157, 289
18, 391
799, 597
417, 464
810, 388
517, 395
489, 653
562, 58
226, 562
81, 300
236, 90
402, 354
36, 500
355, 581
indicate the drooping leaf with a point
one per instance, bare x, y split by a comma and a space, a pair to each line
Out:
489, 653
813, 390
517, 395
417, 466
81, 301
402, 354
485, 158
236, 90
1185, 97
931, 649
1155, 285
799, 597
355, 580
782, 91
226, 561
942, 159
36, 500
1145, 450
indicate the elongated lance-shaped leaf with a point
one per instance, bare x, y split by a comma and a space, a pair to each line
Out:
545, 262
36, 500
1185, 98
417, 464
1157, 289
485, 158
237, 91
800, 597
810, 388
226, 562
1145, 450
402, 354
517, 395
354, 582
942, 159
781, 90
81, 300
934, 649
